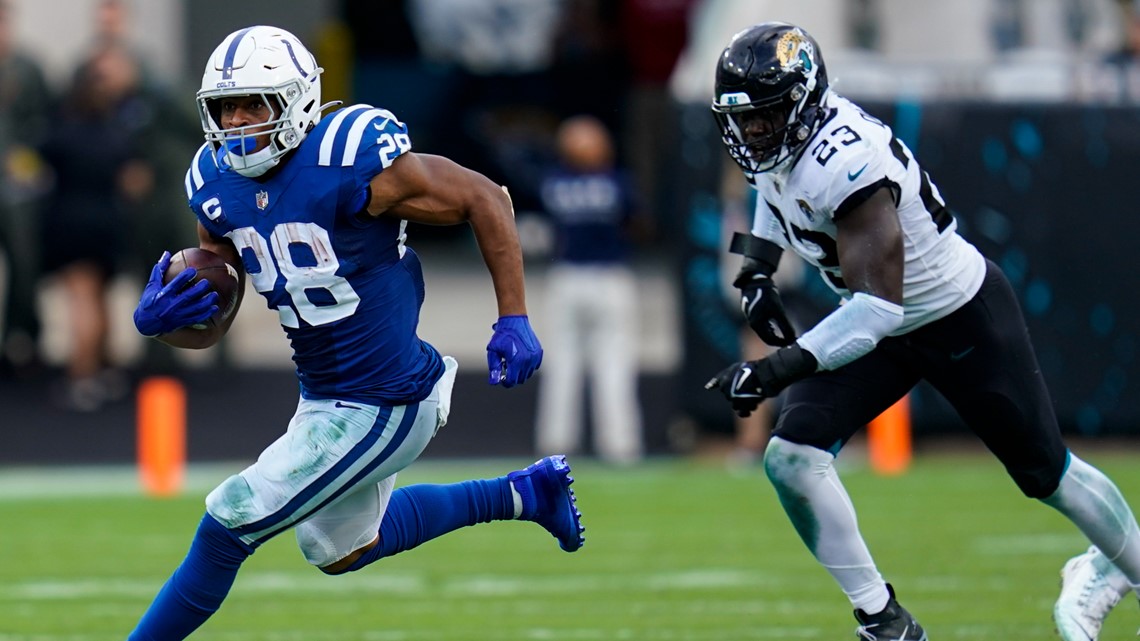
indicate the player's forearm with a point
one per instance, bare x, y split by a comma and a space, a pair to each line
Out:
852, 331
493, 222
190, 338
503, 257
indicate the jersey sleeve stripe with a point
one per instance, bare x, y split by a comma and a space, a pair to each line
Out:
900, 152
356, 133
329, 139
194, 180
861, 195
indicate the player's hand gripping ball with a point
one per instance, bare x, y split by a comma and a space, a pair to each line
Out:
212, 268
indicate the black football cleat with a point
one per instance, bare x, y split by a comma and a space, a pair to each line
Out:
894, 623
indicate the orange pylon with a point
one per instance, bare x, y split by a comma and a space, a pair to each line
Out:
161, 437
889, 439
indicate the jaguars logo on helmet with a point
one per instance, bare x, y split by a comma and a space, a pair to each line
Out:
794, 49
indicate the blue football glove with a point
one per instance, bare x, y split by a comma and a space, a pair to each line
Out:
165, 308
514, 351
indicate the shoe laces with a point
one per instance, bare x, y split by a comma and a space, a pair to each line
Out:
1097, 598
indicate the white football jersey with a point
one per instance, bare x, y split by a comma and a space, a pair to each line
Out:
851, 156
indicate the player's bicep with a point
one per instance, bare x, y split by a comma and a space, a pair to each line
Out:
870, 245
422, 188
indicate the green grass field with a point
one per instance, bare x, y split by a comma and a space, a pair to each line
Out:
676, 550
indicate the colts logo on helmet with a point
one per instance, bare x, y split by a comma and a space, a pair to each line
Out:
794, 50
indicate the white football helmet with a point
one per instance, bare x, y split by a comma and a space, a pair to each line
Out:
272, 63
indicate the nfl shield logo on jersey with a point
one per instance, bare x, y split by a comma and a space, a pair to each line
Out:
262, 199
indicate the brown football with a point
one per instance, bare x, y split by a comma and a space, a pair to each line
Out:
212, 268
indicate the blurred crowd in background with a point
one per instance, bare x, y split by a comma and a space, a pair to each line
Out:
92, 161
86, 164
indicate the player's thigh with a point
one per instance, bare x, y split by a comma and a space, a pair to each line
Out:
345, 526
330, 449
313, 463
981, 359
827, 409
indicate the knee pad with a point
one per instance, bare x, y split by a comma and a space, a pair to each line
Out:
791, 465
1036, 484
231, 502
1040, 475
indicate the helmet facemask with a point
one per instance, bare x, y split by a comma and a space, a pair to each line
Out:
760, 137
238, 145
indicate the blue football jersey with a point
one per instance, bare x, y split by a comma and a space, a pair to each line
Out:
347, 289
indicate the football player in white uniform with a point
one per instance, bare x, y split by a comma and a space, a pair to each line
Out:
919, 303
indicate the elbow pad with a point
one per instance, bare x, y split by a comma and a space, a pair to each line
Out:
852, 330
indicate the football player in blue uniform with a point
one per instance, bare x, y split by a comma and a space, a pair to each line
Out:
313, 210
920, 302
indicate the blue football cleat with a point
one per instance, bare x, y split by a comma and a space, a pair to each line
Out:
548, 500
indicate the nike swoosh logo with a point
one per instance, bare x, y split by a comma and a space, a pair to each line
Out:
738, 380
346, 406
747, 306
853, 176
742, 376
962, 354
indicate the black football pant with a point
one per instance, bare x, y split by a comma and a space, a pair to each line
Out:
979, 358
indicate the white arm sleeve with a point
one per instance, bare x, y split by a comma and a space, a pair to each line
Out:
852, 330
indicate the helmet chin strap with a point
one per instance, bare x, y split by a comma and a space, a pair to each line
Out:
252, 165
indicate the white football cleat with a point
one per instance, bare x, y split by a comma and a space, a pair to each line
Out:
1090, 587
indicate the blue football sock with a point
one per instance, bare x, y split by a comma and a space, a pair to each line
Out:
197, 587
420, 513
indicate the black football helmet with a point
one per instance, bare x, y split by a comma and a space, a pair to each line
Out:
770, 83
